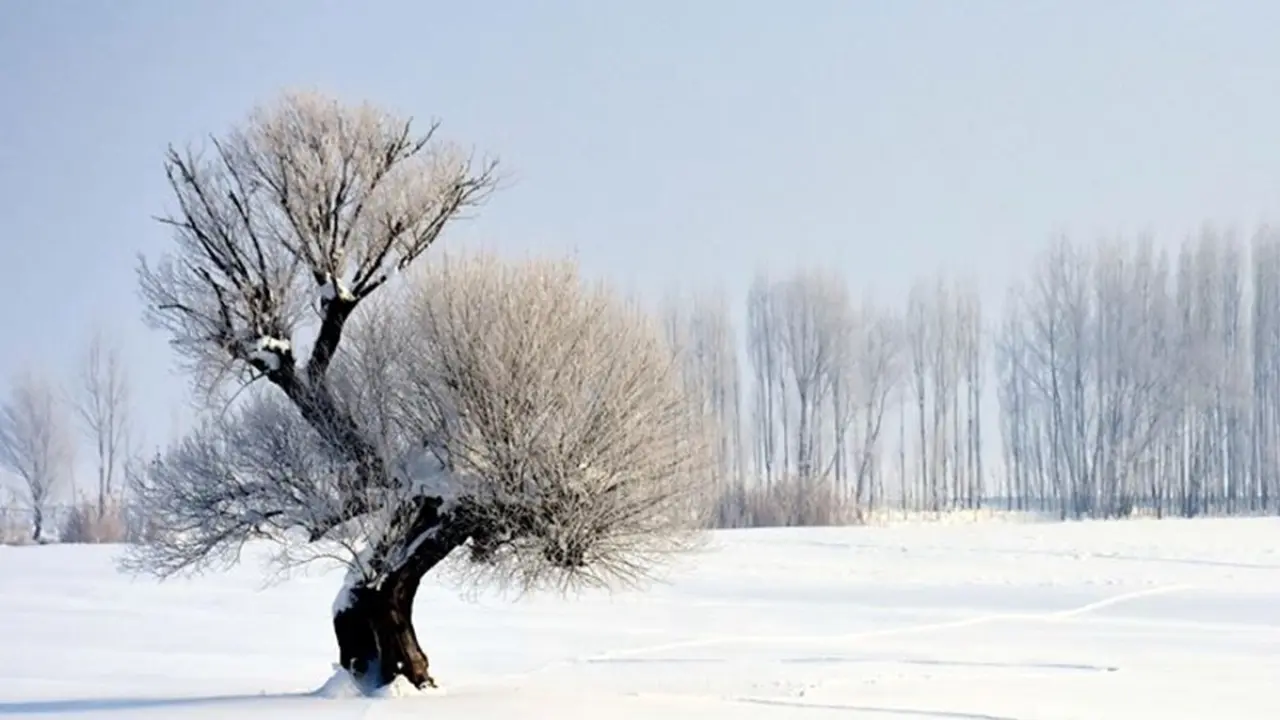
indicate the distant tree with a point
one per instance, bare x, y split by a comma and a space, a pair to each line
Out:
701, 333
869, 371
36, 443
513, 413
824, 371
102, 402
1265, 347
769, 412
1093, 383
795, 328
945, 370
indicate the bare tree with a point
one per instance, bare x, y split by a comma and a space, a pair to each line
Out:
102, 402
943, 328
874, 369
1094, 383
36, 443
769, 409
920, 337
794, 328
521, 414
1265, 332
701, 332
824, 373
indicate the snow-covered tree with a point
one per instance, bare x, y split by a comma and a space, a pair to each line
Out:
513, 413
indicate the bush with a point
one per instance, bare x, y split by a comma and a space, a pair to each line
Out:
789, 503
15, 526
86, 522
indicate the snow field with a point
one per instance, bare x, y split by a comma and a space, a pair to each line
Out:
985, 620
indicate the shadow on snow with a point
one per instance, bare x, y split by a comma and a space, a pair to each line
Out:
89, 705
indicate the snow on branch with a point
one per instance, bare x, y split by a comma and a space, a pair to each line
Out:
269, 352
310, 197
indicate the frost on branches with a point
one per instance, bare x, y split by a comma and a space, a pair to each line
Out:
512, 414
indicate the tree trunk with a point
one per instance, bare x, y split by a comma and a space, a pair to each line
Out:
376, 639
37, 521
374, 620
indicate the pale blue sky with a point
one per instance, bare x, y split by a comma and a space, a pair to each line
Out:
665, 142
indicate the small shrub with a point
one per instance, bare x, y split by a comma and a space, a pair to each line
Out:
789, 503
86, 522
15, 526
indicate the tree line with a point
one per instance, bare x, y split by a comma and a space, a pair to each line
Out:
1119, 377
1124, 377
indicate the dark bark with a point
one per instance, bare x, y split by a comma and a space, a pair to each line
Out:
376, 639
337, 311
375, 633
311, 395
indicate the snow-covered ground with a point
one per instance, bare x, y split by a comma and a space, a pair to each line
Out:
989, 621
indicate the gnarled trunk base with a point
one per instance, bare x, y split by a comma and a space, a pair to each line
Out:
376, 640
374, 624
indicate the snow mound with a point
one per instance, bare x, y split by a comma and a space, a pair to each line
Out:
342, 685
